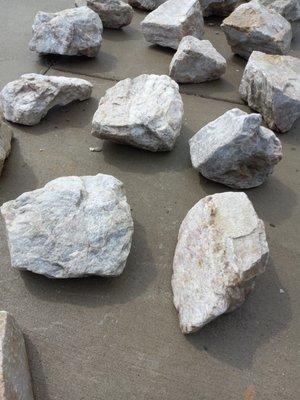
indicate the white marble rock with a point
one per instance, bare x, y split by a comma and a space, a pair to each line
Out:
148, 5
72, 227
221, 248
144, 112
5, 142
289, 9
271, 86
220, 8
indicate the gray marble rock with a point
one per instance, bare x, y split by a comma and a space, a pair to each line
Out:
72, 227
15, 381
236, 150
271, 86
289, 9
5, 142
148, 5
144, 112
173, 20
71, 32
196, 61
28, 99
220, 8
221, 248
252, 26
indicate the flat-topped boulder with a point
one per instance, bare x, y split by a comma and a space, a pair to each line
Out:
5, 142
289, 9
220, 8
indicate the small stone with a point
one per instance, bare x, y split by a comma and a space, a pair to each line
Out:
5, 143
252, 26
289, 9
221, 248
173, 20
236, 150
148, 5
28, 99
271, 86
15, 383
220, 8
196, 61
73, 227
144, 112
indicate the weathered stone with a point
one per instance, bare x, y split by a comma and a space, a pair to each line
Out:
196, 61
72, 227
5, 143
28, 99
15, 380
220, 8
236, 150
72, 32
144, 112
252, 26
221, 247
173, 20
271, 86
148, 5
289, 9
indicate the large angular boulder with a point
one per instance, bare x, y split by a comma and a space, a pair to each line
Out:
28, 99
221, 248
72, 227
220, 8
173, 20
252, 26
71, 32
236, 150
271, 86
289, 9
148, 5
5, 143
144, 112
196, 61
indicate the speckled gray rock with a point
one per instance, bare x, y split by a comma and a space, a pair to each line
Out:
5, 142
252, 26
144, 112
220, 8
15, 379
173, 20
221, 248
148, 5
236, 150
271, 86
289, 9
196, 61
28, 99
71, 32
72, 227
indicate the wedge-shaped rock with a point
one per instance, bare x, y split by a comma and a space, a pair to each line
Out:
28, 99
271, 86
5, 143
221, 247
173, 20
73, 227
289, 9
221, 8
196, 61
144, 112
148, 5
72, 32
15, 382
252, 26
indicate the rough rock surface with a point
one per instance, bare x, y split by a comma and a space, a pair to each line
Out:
252, 26
71, 32
196, 61
221, 247
28, 99
148, 5
72, 227
236, 150
271, 86
220, 8
5, 143
144, 112
173, 20
15, 380
289, 9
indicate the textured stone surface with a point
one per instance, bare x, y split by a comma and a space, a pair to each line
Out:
252, 26
28, 99
71, 32
5, 142
148, 5
221, 247
271, 85
196, 61
15, 380
173, 20
289, 9
72, 227
236, 150
144, 112
218, 7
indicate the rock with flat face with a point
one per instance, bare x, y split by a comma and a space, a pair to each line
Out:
72, 227
173, 20
72, 32
28, 99
221, 248
289, 9
148, 5
252, 26
236, 150
5, 143
220, 8
144, 112
271, 86
196, 61
15, 381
